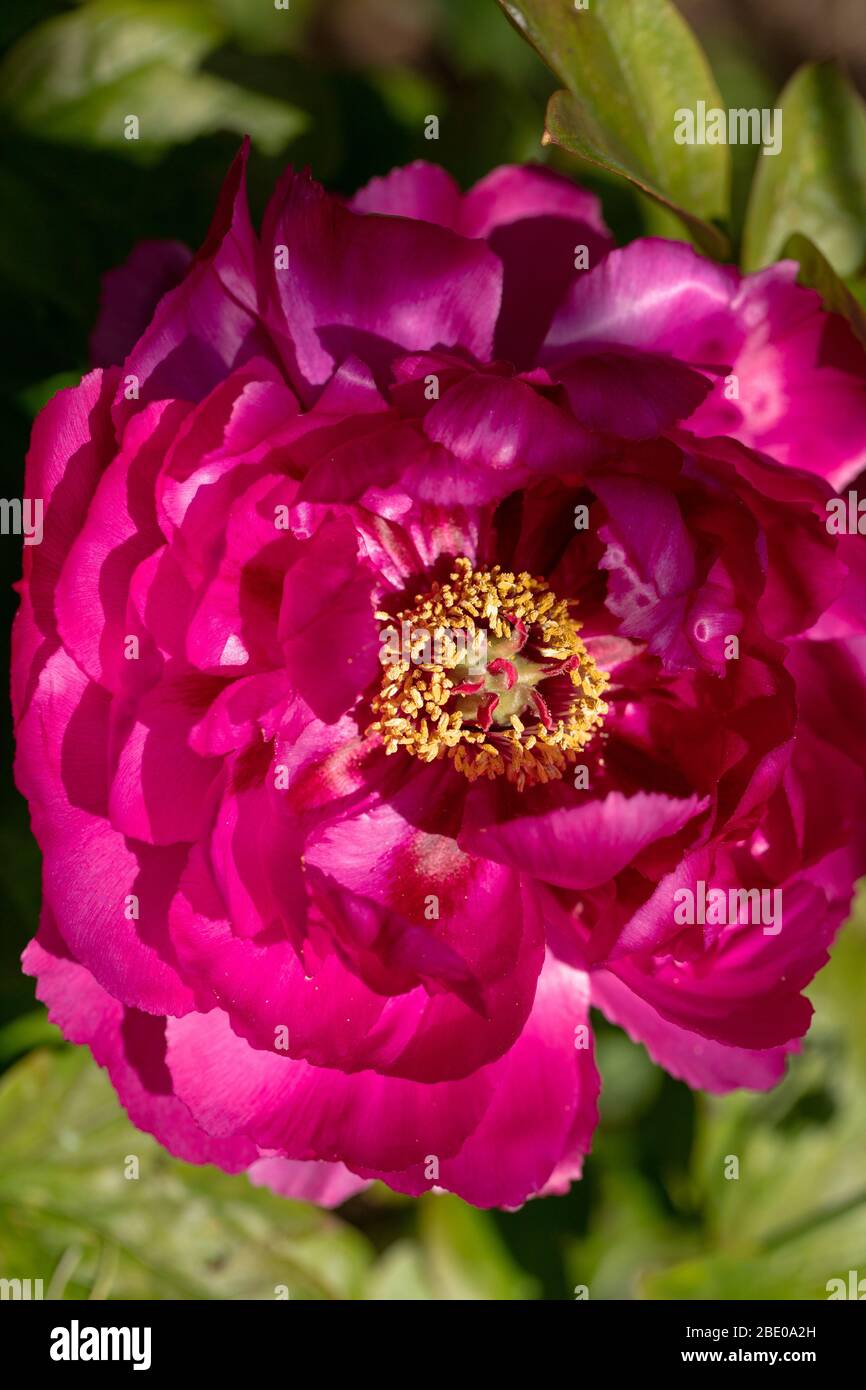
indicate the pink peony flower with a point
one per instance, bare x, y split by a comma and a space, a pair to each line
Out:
331, 904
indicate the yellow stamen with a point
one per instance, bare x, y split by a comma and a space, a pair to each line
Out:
417, 708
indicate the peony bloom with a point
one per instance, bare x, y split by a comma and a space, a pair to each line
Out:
421, 626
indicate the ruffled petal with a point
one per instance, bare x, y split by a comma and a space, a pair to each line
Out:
209, 323
130, 294
582, 846
131, 1047
700, 1062
109, 896
368, 285
326, 1184
538, 1128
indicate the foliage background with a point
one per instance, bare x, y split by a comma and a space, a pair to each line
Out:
344, 86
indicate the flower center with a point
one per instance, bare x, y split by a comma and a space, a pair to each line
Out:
488, 670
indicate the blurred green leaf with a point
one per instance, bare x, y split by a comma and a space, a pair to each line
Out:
817, 272
78, 78
475, 40
34, 397
408, 95
69, 1215
260, 27
817, 183
630, 1080
857, 288
629, 65
400, 1275
464, 1256
744, 85
630, 1231
24, 1033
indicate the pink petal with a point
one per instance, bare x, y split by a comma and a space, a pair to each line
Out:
131, 1046
586, 845
702, 1063
538, 1127
209, 324
130, 294
326, 1184
369, 285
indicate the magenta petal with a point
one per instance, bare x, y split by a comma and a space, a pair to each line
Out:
72, 440
632, 394
109, 896
130, 294
584, 846
255, 859
425, 899
787, 377
505, 424
240, 425
650, 557
538, 1126
131, 1046
159, 783
801, 379
329, 638
536, 221
534, 1110
844, 617
307, 1112
209, 323
516, 193
369, 285
120, 531
703, 1064
717, 997
242, 710
803, 573
332, 1017
326, 1184
545, 1107
422, 191
659, 296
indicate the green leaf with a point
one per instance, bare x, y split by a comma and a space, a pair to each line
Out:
34, 397
817, 184
260, 27
457, 1256
400, 1275
817, 272
629, 1229
79, 77
26, 1032
629, 65
464, 1256
630, 1081
70, 1216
